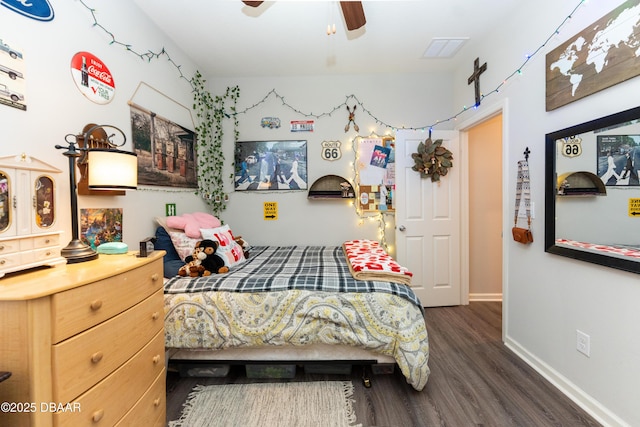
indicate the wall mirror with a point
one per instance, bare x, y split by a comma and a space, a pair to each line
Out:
592, 191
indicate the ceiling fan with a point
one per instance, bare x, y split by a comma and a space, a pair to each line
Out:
351, 10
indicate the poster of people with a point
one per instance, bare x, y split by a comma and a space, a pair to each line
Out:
376, 174
617, 156
99, 226
270, 165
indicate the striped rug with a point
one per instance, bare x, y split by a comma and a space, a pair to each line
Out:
293, 404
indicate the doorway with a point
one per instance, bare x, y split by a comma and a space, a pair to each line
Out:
485, 209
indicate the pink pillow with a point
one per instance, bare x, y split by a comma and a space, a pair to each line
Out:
228, 249
192, 223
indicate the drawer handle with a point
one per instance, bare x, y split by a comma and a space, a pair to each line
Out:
97, 356
155, 315
156, 401
156, 359
2, 262
97, 416
47, 241
95, 305
155, 277
1, 247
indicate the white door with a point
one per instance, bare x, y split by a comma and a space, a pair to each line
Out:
428, 222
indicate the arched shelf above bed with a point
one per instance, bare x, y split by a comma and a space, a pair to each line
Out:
580, 183
331, 187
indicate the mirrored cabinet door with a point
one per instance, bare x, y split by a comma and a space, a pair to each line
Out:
44, 202
5, 202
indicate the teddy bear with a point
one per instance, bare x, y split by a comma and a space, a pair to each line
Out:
204, 260
243, 244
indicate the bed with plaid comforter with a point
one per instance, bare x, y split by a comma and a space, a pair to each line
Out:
298, 295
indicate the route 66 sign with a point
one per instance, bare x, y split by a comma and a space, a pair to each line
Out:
331, 150
572, 146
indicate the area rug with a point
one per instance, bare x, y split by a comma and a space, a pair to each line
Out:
296, 404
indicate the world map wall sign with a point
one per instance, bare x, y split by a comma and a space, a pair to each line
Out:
602, 55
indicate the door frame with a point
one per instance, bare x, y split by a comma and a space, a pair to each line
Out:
486, 113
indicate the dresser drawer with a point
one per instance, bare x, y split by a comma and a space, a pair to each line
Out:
112, 398
79, 309
9, 246
46, 241
10, 260
150, 411
83, 360
46, 253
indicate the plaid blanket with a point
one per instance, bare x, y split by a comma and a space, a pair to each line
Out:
274, 268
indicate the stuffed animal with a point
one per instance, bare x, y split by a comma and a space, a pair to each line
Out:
243, 244
204, 261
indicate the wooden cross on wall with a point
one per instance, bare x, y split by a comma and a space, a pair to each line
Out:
475, 77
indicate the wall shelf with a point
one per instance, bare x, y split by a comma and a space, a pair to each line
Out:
580, 183
328, 187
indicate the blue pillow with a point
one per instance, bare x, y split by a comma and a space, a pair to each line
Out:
172, 261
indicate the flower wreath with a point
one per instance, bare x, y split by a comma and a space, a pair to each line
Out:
432, 159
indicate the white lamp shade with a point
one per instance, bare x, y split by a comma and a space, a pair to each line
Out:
112, 169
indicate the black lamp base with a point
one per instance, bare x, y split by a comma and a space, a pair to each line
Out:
76, 252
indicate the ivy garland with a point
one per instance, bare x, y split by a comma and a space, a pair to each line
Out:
210, 113
432, 159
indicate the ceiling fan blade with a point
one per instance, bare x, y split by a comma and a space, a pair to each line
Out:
252, 3
353, 14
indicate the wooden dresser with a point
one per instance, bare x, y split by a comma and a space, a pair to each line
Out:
85, 344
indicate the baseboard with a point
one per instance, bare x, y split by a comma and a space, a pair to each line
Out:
594, 408
485, 297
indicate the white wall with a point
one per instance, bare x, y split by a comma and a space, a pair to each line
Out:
56, 108
548, 297
399, 100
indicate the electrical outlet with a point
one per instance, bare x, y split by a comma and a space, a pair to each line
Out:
583, 343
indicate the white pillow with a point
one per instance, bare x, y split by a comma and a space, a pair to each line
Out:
184, 245
228, 249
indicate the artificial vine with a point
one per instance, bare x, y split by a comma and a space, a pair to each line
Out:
210, 113
432, 159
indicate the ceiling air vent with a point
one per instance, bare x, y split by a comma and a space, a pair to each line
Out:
444, 47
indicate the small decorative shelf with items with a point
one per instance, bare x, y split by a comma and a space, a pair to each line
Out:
331, 187
581, 183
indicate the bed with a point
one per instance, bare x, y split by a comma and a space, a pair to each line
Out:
296, 303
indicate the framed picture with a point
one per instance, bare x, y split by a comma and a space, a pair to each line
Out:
270, 165
99, 226
166, 151
618, 157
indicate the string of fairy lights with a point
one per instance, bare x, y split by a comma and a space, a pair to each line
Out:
150, 55
351, 99
380, 216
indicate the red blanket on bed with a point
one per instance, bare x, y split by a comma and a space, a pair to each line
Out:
368, 261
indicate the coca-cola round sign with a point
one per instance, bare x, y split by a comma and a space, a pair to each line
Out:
92, 77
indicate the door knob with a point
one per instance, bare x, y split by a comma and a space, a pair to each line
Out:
402, 228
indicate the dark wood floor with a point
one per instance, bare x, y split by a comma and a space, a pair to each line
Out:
475, 381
